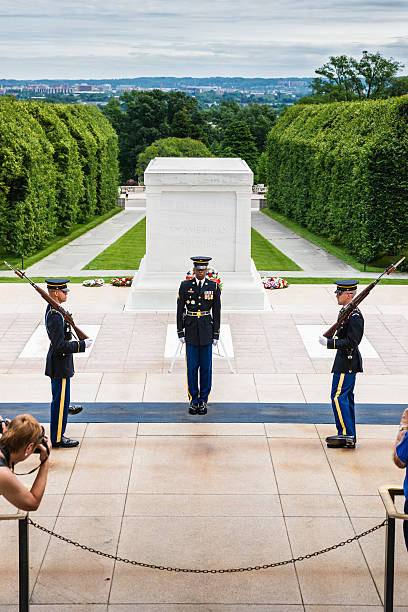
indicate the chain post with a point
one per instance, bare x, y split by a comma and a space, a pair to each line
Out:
389, 566
23, 564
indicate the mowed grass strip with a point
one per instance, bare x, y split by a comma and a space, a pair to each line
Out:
298, 280
268, 257
124, 254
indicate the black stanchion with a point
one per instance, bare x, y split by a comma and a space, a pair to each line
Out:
389, 566
23, 564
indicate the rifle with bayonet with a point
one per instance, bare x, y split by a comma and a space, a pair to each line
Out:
67, 315
358, 299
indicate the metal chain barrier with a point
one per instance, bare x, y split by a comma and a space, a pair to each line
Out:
231, 570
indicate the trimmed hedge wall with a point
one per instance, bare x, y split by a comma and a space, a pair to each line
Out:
341, 170
58, 167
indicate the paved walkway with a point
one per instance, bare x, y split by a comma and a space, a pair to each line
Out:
205, 494
308, 256
313, 260
209, 495
271, 360
71, 259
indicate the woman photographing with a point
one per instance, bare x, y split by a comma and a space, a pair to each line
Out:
21, 438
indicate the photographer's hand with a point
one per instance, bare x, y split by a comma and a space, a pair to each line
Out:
44, 452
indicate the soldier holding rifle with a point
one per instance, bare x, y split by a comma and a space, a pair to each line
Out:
347, 363
345, 336
60, 363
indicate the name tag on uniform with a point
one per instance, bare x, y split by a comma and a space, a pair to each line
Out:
190, 291
208, 295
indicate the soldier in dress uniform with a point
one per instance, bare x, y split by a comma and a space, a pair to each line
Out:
199, 330
347, 363
60, 363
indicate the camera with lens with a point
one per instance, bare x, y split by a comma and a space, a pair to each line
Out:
43, 442
4, 422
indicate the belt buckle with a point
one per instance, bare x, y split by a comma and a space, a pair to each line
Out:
199, 313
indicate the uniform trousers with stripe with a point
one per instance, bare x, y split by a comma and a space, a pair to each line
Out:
59, 407
199, 358
342, 397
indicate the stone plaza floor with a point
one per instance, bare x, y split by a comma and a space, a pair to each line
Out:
205, 494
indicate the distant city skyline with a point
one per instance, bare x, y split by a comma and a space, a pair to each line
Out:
87, 39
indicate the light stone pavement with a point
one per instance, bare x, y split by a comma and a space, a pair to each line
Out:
208, 495
270, 360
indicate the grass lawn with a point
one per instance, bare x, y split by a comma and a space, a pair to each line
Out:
124, 254
268, 257
58, 242
127, 252
324, 243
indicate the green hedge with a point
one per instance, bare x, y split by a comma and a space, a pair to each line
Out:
27, 181
58, 167
341, 170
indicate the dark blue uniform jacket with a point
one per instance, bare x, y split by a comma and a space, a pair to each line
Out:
346, 340
199, 331
60, 363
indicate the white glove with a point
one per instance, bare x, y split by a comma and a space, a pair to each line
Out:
215, 342
323, 340
182, 340
88, 342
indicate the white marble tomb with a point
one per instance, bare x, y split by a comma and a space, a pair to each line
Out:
197, 206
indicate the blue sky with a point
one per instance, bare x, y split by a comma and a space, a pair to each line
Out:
252, 38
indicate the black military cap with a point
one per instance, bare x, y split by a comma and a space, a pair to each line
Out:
201, 263
346, 285
58, 283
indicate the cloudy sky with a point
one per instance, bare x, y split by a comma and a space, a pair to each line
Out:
252, 38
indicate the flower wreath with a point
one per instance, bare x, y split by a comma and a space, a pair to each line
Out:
212, 275
93, 282
274, 282
122, 281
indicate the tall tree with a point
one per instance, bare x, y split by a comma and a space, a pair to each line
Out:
239, 142
345, 78
142, 117
170, 147
181, 125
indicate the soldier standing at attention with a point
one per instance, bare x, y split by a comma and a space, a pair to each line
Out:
199, 331
60, 363
347, 363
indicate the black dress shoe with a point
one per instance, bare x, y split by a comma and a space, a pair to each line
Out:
341, 441
202, 407
193, 409
74, 409
65, 443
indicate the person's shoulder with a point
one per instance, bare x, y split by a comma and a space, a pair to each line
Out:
185, 283
53, 316
402, 449
356, 314
52, 312
213, 284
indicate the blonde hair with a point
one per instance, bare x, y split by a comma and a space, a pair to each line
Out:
20, 432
